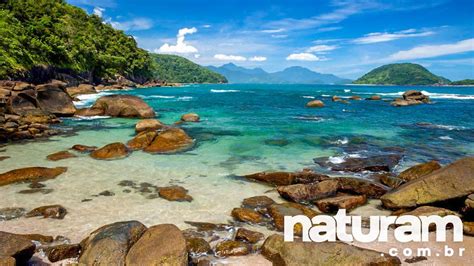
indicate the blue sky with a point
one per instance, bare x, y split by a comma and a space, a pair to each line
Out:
346, 38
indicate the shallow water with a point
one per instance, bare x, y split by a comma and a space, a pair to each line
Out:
244, 129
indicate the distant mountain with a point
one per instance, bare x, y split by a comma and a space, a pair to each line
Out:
296, 74
464, 82
401, 74
173, 68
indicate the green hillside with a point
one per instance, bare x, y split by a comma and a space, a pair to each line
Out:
464, 82
172, 68
401, 74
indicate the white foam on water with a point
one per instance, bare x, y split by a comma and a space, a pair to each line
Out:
347, 90
85, 100
445, 138
342, 141
309, 97
160, 96
432, 95
223, 91
94, 117
185, 98
337, 159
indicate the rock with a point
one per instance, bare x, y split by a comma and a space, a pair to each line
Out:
468, 204
336, 98
162, 244
81, 89
348, 202
246, 215
362, 187
390, 181
7, 261
231, 248
54, 100
62, 252
191, 117
374, 98
111, 151
248, 236
468, 228
11, 213
428, 211
355, 98
415, 259
287, 178
257, 202
419, 170
205, 227
22, 103
30, 174
148, 125
106, 193
315, 103
398, 102
35, 190
16, 246
60, 156
197, 246
279, 211
175, 193
2, 158
142, 140
375, 163
110, 244
415, 96
39, 238
170, 140
89, 112
50, 211
308, 192
21, 86
83, 148
123, 106
453, 181
324, 253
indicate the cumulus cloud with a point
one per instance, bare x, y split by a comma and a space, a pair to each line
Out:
224, 57
134, 24
427, 51
303, 57
377, 37
258, 58
181, 47
98, 11
321, 49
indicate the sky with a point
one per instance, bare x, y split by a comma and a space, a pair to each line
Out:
341, 37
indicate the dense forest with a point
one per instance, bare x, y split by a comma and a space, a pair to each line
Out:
174, 68
464, 82
401, 74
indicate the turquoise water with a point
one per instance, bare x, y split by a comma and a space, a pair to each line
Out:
244, 129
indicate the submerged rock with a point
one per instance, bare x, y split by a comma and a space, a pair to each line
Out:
148, 125
257, 202
247, 215
347, 202
287, 178
17, 247
110, 244
62, 252
375, 163
232, 248
419, 170
308, 192
453, 181
170, 140
197, 246
61, 155
175, 193
162, 244
111, 151
191, 117
315, 103
11, 213
248, 236
50, 211
83, 148
30, 174
374, 98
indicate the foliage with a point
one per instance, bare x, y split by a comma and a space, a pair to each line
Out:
172, 68
464, 82
401, 74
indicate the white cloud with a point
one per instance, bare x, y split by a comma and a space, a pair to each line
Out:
258, 58
134, 24
377, 37
273, 30
206, 26
224, 57
197, 56
427, 51
98, 11
181, 47
320, 49
303, 57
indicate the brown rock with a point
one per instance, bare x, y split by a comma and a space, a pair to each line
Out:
175, 193
453, 181
21, 86
60, 156
50, 211
22, 103
468, 228
419, 170
16, 246
191, 117
124, 106
81, 89
89, 112
355, 98
287, 178
361, 186
390, 181
428, 211
279, 211
257, 202
315, 103
54, 100
347, 202
375, 163
308, 192
170, 140
398, 102
148, 125
468, 203
248, 236
162, 244
39, 238
83, 148
197, 245
62, 252
246, 215
374, 98
111, 151
202, 226
110, 244
7, 261
413, 95
232, 248
30, 174
142, 140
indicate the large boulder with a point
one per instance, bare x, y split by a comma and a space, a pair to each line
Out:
22, 103
142, 140
287, 178
416, 96
162, 244
148, 125
111, 151
170, 140
110, 244
51, 98
453, 181
325, 253
191, 117
30, 174
123, 106
308, 192
17, 247
419, 170
81, 89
